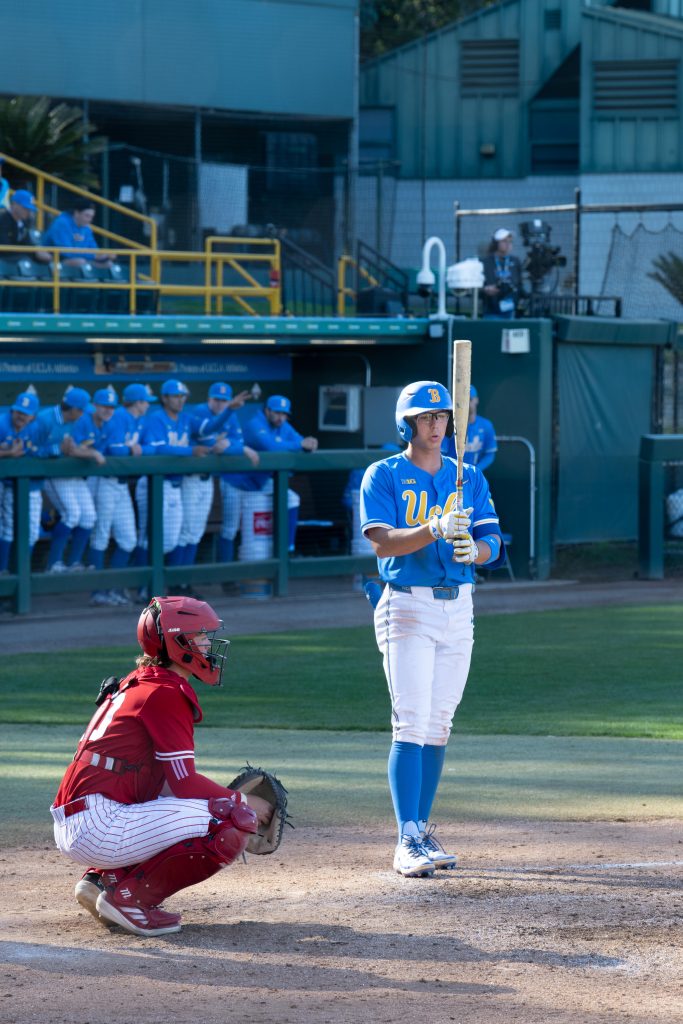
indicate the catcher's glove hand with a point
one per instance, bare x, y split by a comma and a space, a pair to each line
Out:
259, 782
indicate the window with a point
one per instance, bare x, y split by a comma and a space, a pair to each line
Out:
376, 134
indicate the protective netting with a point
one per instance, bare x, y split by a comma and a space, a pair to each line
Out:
629, 265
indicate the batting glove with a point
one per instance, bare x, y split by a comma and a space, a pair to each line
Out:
465, 550
450, 525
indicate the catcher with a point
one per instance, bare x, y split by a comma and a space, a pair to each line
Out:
131, 802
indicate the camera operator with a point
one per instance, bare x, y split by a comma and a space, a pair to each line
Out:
502, 278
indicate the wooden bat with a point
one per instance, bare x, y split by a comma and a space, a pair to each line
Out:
462, 375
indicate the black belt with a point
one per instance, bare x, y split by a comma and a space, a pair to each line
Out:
440, 593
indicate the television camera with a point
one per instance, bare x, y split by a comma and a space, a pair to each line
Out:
542, 257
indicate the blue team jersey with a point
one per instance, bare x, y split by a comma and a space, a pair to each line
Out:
207, 428
480, 446
50, 430
396, 494
263, 436
86, 431
8, 435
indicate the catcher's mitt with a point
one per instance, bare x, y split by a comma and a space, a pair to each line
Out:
266, 785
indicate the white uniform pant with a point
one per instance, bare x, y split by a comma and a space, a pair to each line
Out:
197, 497
172, 513
108, 834
115, 513
73, 500
426, 644
35, 505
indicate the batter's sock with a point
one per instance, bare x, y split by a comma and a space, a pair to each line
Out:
190, 554
5, 546
96, 558
432, 765
119, 558
405, 784
226, 549
79, 542
60, 536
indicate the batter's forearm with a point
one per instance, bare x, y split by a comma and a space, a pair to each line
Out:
406, 541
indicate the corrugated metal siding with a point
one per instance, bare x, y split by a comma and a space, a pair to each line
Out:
632, 75
272, 56
445, 76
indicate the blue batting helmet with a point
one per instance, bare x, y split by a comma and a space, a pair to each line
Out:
422, 396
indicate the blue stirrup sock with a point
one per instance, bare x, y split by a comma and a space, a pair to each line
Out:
119, 558
226, 549
79, 542
5, 546
60, 536
190, 554
96, 558
432, 765
292, 523
139, 556
405, 784
175, 557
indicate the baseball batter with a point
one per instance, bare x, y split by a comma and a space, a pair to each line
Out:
131, 802
427, 548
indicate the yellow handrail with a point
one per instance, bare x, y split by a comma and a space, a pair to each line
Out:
42, 177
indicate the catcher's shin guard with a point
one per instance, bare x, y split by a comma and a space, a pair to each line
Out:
191, 860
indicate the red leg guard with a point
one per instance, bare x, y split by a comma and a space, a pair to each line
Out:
189, 861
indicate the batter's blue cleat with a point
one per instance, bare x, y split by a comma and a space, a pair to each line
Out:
411, 858
436, 852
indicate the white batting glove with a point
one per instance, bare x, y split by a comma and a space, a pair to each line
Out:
465, 550
450, 525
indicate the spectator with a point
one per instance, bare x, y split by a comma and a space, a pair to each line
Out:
70, 496
15, 223
4, 188
502, 278
73, 229
481, 446
16, 441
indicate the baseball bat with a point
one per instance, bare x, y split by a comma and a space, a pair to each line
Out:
462, 374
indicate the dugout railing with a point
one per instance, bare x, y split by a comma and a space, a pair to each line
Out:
21, 584
657, 453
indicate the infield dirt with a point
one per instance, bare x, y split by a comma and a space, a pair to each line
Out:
565, 922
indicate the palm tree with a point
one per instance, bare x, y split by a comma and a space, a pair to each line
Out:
51, 136
669, 273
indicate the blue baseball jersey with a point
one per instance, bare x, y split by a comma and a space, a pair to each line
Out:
50, 430
395, 493
480, 446
8, 435
263, 436
127, 430
207, 428
86, 431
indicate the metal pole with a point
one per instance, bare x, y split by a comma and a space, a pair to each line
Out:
378, 207
577, 246
458, 228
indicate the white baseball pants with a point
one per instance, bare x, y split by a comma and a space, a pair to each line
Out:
35, 506
173, 513
426, 644
108, 834
73, 500
115, 513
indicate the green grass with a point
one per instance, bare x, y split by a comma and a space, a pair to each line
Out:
593, 672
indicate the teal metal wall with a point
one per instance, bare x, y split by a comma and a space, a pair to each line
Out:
638, 132
278, 56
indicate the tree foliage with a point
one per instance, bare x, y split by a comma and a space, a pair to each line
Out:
669, 273
386, 24
53, 137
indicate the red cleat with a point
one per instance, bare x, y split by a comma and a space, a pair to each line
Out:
136, 917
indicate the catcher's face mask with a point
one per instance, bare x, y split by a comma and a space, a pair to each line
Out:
184, 630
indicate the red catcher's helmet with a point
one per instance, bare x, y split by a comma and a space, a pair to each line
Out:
167, 628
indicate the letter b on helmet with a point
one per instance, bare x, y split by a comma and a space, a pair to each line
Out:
422, 396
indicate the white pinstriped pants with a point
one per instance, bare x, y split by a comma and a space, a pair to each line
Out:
112, 835
426, 644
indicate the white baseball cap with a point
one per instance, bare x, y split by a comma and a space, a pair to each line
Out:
501, 234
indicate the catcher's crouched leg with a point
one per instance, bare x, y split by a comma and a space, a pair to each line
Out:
134, 902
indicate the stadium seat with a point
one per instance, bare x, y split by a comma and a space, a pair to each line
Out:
19, 299
113, 300
79, 300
